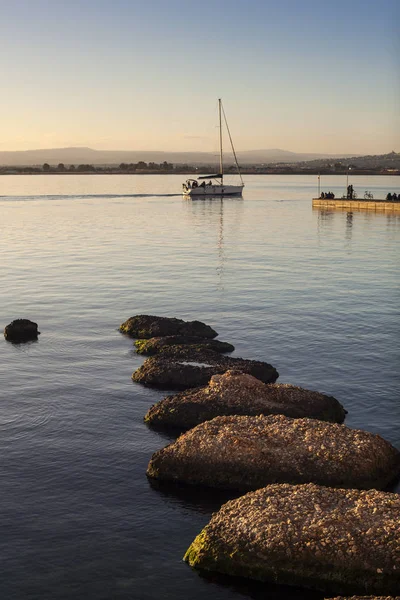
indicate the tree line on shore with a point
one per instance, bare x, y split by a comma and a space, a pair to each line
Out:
142, 167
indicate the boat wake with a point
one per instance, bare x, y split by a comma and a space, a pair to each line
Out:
82, 197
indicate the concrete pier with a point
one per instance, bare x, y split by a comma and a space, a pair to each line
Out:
358, 203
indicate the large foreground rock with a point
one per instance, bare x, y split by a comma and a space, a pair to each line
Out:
182, 367
156, 344
334, 540
247, 453
236, 393
21, 330
148, 326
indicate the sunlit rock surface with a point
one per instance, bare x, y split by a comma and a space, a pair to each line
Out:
154, 345
364, 598
148, 326
333, 540
236, 393
182, 367
21, 330
245, 453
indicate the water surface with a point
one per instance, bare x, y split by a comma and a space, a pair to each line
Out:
315, 293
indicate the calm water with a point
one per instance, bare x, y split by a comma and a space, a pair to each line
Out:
316, 293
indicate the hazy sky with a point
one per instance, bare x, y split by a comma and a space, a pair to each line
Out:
303, 75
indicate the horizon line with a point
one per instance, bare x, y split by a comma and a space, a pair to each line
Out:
327, 154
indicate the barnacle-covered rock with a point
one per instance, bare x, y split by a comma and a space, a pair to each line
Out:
333, 540
182, 367
148, 326
364, 598
21, 330
154, 345
236, 393
247, 453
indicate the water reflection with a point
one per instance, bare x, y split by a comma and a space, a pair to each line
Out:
349, 228
326, 218
194, 497
210, 213
260, 590
220, 246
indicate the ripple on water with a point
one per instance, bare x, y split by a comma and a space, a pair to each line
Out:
313, 293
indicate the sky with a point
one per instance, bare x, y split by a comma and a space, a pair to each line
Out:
300, 75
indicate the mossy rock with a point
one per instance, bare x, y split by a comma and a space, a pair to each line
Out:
246, 453
154, 345
183, 367
237, 393
149, 326
332, 540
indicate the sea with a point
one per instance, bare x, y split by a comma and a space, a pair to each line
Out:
313, 292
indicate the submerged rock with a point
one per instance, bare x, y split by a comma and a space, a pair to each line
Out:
21, 330
182, 367
154, 345
333, 540
236, 393
148, 326
247, 453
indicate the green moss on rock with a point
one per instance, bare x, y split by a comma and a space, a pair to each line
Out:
334, 540
155, 345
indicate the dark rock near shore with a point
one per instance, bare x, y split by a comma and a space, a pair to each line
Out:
247, 453
334, 540
156, 344
182, 367
21, 330
148, 326
364, 598
236, 393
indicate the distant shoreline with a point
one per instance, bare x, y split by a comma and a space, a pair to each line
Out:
245, 172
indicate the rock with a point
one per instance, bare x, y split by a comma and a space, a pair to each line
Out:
182, 367
154, 345
364, 598
247, 453
334, 540
148, 326
236, 393
21, 330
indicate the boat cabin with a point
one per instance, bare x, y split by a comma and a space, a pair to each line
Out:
192, 184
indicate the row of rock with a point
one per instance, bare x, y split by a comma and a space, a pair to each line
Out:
184, 354
311, 519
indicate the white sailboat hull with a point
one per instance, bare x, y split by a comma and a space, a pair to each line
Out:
213, 190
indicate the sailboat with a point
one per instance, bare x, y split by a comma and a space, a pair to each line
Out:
215, 185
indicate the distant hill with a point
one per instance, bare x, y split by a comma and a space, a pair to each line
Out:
78, 155
388, 161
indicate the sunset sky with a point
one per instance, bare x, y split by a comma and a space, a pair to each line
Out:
302, 75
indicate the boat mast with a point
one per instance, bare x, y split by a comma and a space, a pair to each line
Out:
221, 166
232, 146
